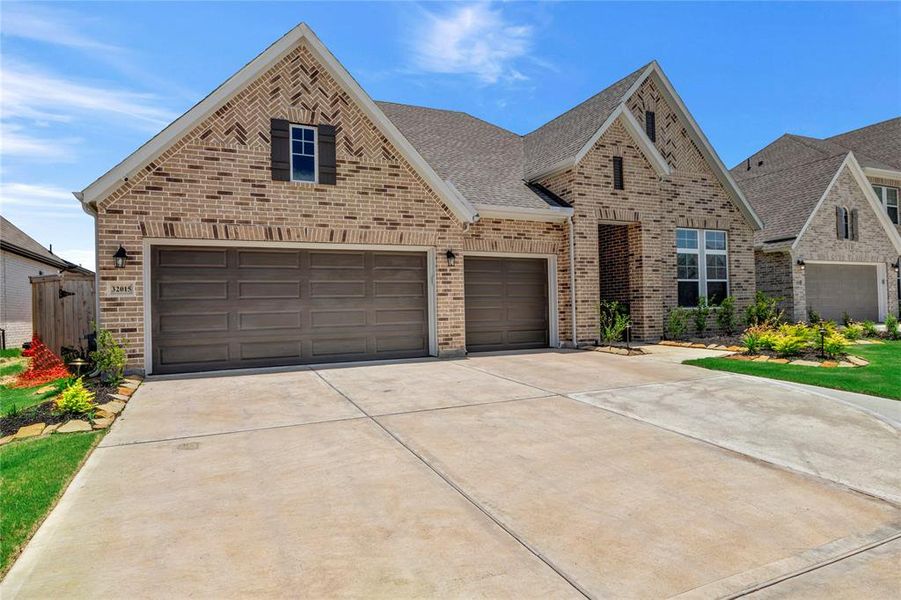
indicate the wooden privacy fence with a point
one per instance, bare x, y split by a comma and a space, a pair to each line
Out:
62, 309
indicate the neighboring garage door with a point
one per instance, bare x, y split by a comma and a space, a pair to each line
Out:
833, 290
506, 303
222, 308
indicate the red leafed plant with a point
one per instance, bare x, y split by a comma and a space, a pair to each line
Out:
45, 366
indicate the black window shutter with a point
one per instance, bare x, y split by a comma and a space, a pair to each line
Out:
328, 167
618, 173
650, 124
839, 225
854, 224
280, 152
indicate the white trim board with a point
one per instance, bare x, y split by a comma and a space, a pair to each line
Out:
553, 296
867, 189
524, 214
112, 179
147, 243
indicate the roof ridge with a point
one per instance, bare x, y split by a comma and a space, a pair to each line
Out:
593, 96
793, 166
883, 122
450, 110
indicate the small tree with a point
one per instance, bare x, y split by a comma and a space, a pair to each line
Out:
676, 323
702, 312
612, 321
725, 315
764, 311
109, 357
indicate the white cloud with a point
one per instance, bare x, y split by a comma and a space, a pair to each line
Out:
38, 199
474, 40
58, 27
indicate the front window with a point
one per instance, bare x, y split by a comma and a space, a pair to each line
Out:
303, 153
702, 266
888, 196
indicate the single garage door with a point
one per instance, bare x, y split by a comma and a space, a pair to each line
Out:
833, 290
222, 308
506, 303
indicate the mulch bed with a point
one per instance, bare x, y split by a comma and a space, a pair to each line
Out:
44, 412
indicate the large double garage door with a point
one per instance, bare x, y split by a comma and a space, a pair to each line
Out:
833, 290
223, 308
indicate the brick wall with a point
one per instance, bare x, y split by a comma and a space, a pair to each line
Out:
215, 184
15, 295
613, 256
820, 242
774, 277
690, 197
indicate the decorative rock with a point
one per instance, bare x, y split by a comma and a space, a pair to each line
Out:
50, 429
100, 413
129, 383
697, 345
125, 391
742, 356
74, 426
7, 439
845, 363
43, 390
779, 361
734, 348
762, 358
29, 431
119, 397
829, 364
113, 407
668, 343
805, 363
856, 360
103, 423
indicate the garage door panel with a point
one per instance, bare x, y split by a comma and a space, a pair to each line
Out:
506, 303
279, 307
833, 289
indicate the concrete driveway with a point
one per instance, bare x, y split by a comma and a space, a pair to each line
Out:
551, 474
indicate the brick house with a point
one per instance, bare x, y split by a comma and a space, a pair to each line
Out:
831, 243
288, 218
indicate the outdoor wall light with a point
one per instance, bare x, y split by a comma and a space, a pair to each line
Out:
897, 264
801, 264
120, 257
451, 258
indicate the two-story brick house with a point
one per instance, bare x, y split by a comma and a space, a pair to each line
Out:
831, 244
287, 218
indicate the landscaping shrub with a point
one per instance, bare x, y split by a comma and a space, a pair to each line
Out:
725, 315
789, 345
45, 366
853, 331
891, 327
764, 311
869, 329
75, 399
612, 321
756, 339
835, 345
846, 318
676, 323
813, 317
701, 314
109, 357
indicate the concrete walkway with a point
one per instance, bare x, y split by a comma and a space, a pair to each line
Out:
496, 476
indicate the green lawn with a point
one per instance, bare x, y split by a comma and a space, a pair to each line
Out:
882, 377
22, 398
8, 352
33, 474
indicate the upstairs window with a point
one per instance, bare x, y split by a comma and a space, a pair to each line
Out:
618, 183
303, 153
842, 223
888, 196
702, 266
650, 124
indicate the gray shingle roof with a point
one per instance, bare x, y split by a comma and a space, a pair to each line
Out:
562, 138
785, 180
880, 142
16, 240
483, 161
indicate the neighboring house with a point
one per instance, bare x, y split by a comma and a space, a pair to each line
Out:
20, 258
287, 218
831, 242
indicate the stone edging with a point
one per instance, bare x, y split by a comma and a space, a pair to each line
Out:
104, 415
849, 362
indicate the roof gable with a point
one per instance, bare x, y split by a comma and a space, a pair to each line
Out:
146, 154
880, 142
13, 239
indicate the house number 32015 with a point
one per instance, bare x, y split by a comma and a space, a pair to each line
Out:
121, 289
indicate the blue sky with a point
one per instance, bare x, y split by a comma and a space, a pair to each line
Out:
84, 84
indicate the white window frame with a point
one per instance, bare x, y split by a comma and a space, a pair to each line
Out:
882, 194
315, 152
845, 216
702, 251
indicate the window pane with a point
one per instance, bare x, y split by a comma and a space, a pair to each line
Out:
296, 133
891, 196
716, 266
688, 293
715, 240
302, 168
893, 214
687, 238
296, 146
308, 148
716, 291
878, 190
308, 135
686, 266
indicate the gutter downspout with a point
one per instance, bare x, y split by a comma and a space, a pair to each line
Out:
93, 212
572, 278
